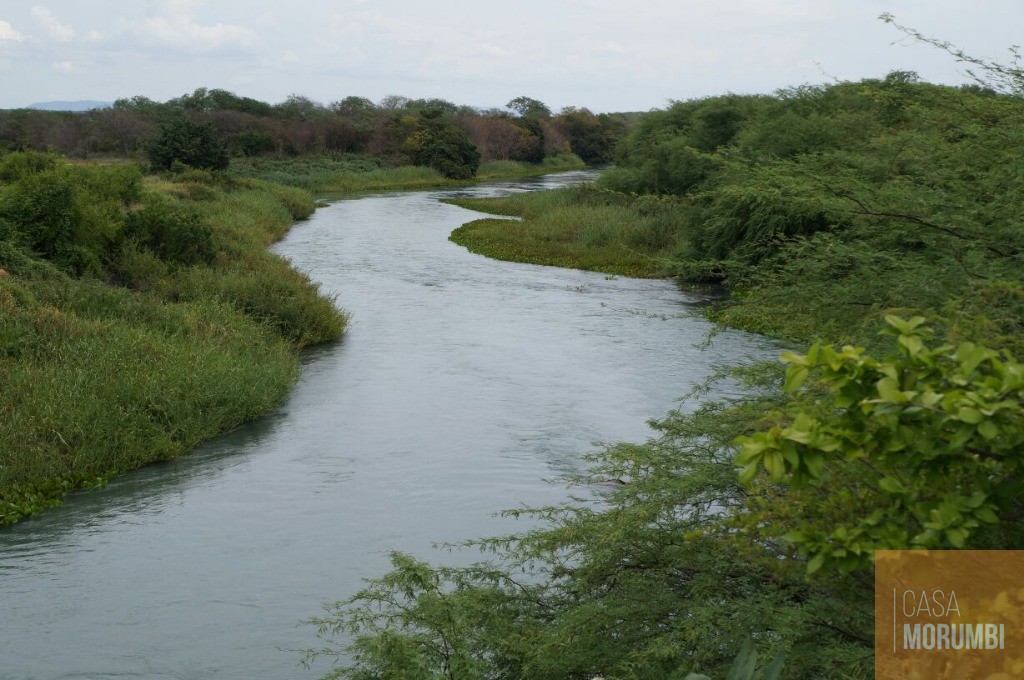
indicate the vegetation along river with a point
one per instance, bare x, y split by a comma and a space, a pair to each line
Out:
462, 384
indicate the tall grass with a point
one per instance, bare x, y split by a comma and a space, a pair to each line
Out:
579, 227
97, 379
98, 382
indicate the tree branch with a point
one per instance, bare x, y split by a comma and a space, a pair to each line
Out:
951, 231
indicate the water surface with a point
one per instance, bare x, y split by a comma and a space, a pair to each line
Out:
462, 384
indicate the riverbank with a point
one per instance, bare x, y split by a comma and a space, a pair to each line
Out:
323, 174
578, 227
460, 386
144, 317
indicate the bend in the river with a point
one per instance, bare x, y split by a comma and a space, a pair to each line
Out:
462, 384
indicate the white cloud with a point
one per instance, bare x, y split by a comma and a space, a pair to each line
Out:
353, 26
63, 66
179, 28
786, 11
493, 50
611, 47
52, 25
7, 32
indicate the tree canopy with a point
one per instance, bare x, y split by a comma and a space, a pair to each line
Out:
183, 141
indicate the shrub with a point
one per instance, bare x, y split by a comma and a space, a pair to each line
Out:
254, 142
140, 269
44, 212
193, 144
175, 234
14, 166
446, 149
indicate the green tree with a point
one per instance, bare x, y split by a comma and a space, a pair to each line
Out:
298, 107
924, 449
528, 107
440, 145
193, 144
254, 142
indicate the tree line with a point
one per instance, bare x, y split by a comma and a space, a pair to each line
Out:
395, 129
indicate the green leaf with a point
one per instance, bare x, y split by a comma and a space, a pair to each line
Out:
988, 430
970, 415
891, 485
976, 499
795, 434
748, 473
795, 377
795, 536
905, 327
751, 448
956, 537
912, 343
815, 464
745, 664
816, 563
776, 466
793, 358
962, 436
889, 391
970, 356
773, 670
987, 515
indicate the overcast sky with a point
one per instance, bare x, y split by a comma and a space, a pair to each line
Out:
607, 55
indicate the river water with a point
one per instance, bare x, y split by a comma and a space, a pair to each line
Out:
462, 385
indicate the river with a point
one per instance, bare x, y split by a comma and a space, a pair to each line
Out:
462, 384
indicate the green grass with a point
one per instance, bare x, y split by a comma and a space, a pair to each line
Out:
322, 174
578, 227
136, 359
102, 381
97, 379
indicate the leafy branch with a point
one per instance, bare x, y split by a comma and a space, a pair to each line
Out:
1007, 79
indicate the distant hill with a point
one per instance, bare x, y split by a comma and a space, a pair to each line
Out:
82, 105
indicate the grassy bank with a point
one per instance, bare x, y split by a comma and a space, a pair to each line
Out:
141, 317
578, 227
322, 174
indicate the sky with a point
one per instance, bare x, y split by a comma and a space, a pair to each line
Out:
606, 55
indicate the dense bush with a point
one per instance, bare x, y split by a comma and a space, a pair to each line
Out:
254, 143
175, 234
185, 142
14, 166
70, 215
444, 148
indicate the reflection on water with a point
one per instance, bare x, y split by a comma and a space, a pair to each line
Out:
461, 385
